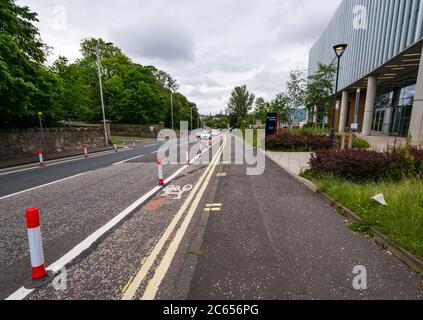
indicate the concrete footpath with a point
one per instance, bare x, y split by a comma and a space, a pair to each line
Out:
273, 238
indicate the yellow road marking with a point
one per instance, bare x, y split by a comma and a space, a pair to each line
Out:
161, 270
213, 205
144, 270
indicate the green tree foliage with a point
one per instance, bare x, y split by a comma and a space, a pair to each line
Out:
320, 88
26, 86
133, 93
218, 123
240, 104
295, 94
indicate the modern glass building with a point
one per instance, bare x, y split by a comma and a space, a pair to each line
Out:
381, 73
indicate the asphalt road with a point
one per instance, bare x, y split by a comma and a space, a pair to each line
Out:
72, 209
12, 182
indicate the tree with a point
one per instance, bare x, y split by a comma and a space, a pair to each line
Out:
165, 79
261, 109
240, 104
295, 95
281, 105
133, 93
320, 88
23, 78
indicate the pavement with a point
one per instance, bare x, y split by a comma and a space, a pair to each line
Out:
294, 162
275, 239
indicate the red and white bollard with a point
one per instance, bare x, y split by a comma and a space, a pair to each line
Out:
86, 151
160, 168
40, 276
35, 243
187, 160
40, 156
116, 148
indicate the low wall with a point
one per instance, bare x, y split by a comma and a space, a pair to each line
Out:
135, 130
21, 145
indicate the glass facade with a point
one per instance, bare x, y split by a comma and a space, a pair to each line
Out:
393, 111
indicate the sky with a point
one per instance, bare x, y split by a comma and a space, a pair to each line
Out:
209, 46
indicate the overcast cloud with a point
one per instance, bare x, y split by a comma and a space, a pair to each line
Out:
209, 46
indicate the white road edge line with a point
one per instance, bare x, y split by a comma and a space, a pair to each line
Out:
44, 185
22, 293
76, 158
143, 272
159, 274
118, 163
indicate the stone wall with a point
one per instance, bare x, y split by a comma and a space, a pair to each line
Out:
135, 130
20, 145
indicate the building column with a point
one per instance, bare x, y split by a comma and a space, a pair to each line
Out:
369, 108
344, 111
416, 123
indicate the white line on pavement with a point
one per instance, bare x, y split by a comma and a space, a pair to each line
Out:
117, 163
76, 158
21, 293
151, 145
42, 186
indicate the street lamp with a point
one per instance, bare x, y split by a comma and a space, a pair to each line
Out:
171, 107
40, 115
97, 49
339, 51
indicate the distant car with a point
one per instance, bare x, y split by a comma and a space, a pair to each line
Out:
206, 135
215, 133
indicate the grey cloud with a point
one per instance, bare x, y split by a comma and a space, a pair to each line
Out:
202, 81
167, 42
209, 46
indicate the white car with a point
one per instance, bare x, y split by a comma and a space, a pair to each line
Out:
206, 135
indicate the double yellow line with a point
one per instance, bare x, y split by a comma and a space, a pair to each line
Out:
191, 205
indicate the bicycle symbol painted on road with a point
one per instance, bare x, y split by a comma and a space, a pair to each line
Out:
176, 191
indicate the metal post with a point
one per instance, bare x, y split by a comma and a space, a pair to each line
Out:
106, 138
356, 108
42, 132
332, 116
171, 108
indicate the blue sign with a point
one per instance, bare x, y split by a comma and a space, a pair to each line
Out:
272, 123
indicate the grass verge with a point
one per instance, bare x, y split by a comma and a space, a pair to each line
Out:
401, 221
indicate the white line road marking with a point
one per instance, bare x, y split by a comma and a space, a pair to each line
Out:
159, 274
44, 185
143, 272
151, 145
118, 163
73, 159
21, 293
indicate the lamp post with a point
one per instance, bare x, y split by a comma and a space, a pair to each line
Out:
171, 108
40, 115
339, 51
97, 49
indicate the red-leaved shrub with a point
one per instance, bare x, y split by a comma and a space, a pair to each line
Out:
361, 165
297, 142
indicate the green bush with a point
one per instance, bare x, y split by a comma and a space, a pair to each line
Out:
362, 165
361, 144
298, 142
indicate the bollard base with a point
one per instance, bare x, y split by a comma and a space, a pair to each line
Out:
35, 284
